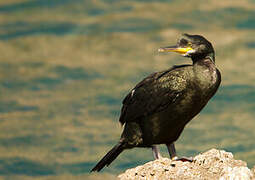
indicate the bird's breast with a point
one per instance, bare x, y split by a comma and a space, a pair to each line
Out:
205, 77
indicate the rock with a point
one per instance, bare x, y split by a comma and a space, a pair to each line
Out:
213, 164
253, 173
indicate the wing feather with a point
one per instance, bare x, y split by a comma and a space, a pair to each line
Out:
153, 94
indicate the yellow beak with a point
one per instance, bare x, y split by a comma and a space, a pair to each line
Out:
180, 50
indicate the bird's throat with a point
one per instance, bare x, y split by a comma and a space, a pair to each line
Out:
202, 58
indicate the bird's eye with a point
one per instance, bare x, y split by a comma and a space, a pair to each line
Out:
189, 44
183, 41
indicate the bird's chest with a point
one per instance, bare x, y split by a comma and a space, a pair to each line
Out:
200, 89
205, 78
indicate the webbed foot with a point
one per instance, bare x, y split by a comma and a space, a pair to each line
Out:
183, 159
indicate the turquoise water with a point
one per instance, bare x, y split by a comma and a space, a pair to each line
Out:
65, 72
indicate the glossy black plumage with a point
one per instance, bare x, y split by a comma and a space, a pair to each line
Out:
158, 108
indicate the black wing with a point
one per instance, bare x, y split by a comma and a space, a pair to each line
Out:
153, 94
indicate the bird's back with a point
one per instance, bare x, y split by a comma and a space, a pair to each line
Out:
154, 93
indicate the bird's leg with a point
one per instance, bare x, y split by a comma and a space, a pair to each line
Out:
155, 152
172, 151
173, 155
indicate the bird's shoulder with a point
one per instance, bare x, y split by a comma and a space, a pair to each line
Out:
174, 78
154, 93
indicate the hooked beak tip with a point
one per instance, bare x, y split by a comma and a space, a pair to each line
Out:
161, 50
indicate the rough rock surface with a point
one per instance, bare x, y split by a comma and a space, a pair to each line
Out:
213, 164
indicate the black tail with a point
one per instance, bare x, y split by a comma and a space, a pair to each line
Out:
109, 157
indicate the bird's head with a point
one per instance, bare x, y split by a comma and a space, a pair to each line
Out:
193, 46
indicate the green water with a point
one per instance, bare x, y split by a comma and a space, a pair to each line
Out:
66, 66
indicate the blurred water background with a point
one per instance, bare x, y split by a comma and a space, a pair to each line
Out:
66, 65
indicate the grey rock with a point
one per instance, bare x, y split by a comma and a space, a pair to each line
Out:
213, 164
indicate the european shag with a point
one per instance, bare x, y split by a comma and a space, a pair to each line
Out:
157, 109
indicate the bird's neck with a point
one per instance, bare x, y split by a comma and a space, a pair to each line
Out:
205, 72
205, 63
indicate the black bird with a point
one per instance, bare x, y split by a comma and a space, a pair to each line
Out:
157, 109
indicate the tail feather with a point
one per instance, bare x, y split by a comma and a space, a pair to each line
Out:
109, 157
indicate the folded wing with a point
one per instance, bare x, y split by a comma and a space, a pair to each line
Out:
153, 94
